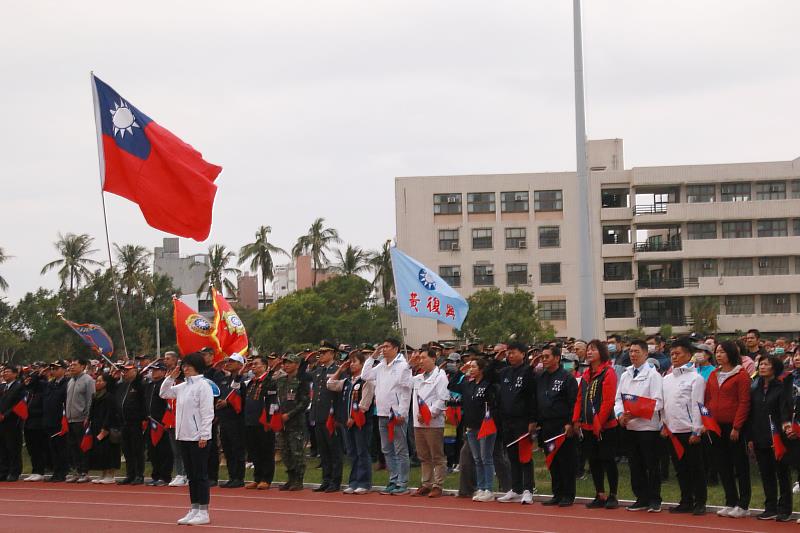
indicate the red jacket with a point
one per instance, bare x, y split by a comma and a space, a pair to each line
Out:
729, 403
608, 391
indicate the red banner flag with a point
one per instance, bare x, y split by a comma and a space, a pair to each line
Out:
192, 330
228, 327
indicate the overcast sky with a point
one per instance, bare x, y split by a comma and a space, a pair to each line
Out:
312, 108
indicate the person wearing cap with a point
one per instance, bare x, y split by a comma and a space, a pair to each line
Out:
12, 391
104, 455
130, 397
171, 361
231, 422
80, 391
293, 399
260, 397
702, 359
156, 407
35, 436
324, 402
53, 400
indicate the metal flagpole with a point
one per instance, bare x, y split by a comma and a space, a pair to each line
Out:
587, 305
158, 338
101, 158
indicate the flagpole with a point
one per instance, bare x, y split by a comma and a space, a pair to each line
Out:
101, 160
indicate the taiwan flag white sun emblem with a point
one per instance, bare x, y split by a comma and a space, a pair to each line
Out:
427, 280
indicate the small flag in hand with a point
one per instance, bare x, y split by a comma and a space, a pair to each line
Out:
551, 447
330, 422
64, 426
276, 421
453, 415
263, 419
156, 432
88, 440
525, 450
391, 424
679, 449
168, 420
424, 411
21, 409
639, 406
708, 421
488, 426
234, 399
597, 425
777, 443
358, 416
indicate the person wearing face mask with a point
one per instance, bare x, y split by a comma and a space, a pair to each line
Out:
655, 349
702, 360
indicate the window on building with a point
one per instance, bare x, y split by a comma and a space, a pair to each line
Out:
448, 240
703, 268
205, 306
773, 266
735, 192
742, 304
619, 307
553, 310
549, 273
615, 197
701, 230
514, 202
447, 204
482, 275
795, 189
737, 229
616, 234
548, 201
481, 238
772, 228
771, 190
451, 274
517, 274
480, 202
776, 303
549, 237
617, 271
516, 238
796, 228
700, 193
738, 266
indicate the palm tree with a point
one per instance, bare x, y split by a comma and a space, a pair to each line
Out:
260, 253
352, 262
218, 270
316, 242
3, 259
381, 263
74, 261
133, 263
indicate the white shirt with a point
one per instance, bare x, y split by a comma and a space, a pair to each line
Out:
648, 383
194, 407
684, 391
433, 391
392, 385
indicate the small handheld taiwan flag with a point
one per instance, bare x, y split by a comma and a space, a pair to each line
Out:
424, 411
639, 406
64, 429
708, 420
391, 424
551, 447
87, 440
777, 442
275, 419
330, 422
168, 420
21, 409
234, 399
676, 444
453, 415
488, 426
358, 416
156, 432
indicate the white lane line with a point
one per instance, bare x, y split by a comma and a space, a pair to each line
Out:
119, 520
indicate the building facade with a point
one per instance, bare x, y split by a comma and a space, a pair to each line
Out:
187, 273
664, 240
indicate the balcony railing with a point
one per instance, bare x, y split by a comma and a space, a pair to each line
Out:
655, 209
666, 283
663, 246
657, 320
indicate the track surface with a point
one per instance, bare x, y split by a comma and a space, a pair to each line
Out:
26, 507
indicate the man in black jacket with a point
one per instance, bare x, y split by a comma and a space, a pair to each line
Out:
53, 413
12, 392
156, 406
323, 404
230, 417
557, 391
129, 396
35, 436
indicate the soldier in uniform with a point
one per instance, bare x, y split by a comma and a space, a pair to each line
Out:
293, 398
161, 452
323, 404
53, 400
231, 421
12, 392
129, 395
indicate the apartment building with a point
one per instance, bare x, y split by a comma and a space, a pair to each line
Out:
662, 239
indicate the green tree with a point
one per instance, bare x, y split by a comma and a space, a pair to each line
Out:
74, 261
218, 270
259, 253
704, 312
315, 243
495, 316
381, 263
353, 262
133, 265
665, 331
3, 259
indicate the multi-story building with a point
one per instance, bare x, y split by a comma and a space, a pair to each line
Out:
663, 238
187, 273
297, 275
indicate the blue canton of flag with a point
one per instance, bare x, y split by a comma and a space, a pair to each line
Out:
421, 292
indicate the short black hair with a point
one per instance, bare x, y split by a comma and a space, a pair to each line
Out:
555, 349
776, 363
656, 338
13, 368
614, 336
731, 349
81, 361
516, 345
640, 343
683, 342
263, 358
754, 332
602, 348
394, 342
197, 361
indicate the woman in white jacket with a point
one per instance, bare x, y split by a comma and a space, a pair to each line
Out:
194, 413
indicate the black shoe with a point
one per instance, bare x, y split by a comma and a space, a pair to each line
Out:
567, 502
126, 481
322, 488
286, 486
160, 483
784, 517
768, 515
152, 483
234, 484
637, 506
700, 510
597, 503
681, 509
213, 482
654, 508
11, 479
612, 502
333, 488
552, 501
138, 481
297, 485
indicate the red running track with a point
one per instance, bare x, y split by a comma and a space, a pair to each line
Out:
25, 507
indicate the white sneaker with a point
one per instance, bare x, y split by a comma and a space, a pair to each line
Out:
796, 487
105, 481
72, 478
476, 495
200, 518
738, 512
527, 498
486, 496
349, 490
34, 477
185, 520
360, 490
178, 481
725, 511
510, 497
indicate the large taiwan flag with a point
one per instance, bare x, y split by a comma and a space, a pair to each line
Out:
145, 163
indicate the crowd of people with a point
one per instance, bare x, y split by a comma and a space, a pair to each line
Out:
703, 404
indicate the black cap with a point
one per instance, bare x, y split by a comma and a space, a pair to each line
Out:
59, 363
159, 365
326, 345
367, 347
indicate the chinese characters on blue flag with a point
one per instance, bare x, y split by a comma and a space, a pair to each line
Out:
421, 292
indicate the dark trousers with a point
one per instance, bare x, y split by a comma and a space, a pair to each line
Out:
213, 454
195, 460
521, 473
231, 434
563, 470
358, 451
80, 460
36, 443
690, 472
601, 454
329, 448
642, 449
160, 458
733, 466
775, 478
10, 449
133, 448
261, 449
59, 452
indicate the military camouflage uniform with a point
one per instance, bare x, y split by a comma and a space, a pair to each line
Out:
293, 399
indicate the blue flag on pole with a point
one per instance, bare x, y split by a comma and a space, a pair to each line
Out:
421, 292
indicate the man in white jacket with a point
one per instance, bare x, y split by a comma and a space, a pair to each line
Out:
429, 401
641, 435
684, 391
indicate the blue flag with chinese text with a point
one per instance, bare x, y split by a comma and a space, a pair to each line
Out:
421, 292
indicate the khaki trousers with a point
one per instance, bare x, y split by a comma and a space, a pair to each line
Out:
430, 451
